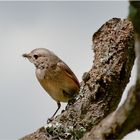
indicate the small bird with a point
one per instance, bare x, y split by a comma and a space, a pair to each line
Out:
54, 76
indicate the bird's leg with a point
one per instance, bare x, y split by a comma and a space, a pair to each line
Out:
50, 119
59, 105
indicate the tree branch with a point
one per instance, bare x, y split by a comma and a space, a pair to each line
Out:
102, 86
127, 117
120, 122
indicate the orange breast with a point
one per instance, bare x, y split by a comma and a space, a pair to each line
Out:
55, 84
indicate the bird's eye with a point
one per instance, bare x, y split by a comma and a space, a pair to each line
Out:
35, 56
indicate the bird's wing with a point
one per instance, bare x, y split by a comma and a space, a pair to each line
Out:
68, 71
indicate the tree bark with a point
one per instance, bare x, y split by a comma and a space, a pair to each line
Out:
90, 116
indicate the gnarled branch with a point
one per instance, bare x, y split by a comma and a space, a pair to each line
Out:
102, 86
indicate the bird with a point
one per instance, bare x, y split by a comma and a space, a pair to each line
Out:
54, 75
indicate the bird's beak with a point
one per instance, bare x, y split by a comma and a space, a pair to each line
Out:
26, 55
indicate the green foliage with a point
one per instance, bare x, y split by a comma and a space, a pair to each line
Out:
134, 15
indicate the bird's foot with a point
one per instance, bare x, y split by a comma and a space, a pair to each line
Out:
70, 102
50, 120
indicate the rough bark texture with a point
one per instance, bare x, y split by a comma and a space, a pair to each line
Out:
101, 88
119, 123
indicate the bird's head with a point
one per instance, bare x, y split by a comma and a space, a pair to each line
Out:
39, 56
